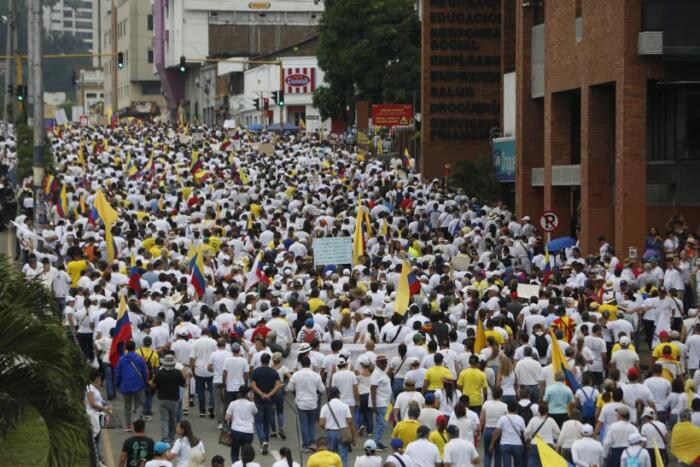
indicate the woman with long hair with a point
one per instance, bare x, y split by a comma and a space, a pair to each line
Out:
332, 333
448, 395
186, 447
247, 457
505, 378
346, 325
286, 459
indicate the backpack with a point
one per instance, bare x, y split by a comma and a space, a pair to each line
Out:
525, 412
309, 335
633, 461
588, 407
541, 345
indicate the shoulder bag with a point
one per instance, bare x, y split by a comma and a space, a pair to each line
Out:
345, 433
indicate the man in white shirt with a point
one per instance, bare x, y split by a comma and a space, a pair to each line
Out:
625, 358
202, 348
336, 416
587, 451
458, 452
617, 436
306, 385
635, 392
216, 366
345, 380
405, 397
528, 373
281, 328
380, 398
422, 452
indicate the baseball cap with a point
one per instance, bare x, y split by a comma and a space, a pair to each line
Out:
430, 398
417, 337
633, 373
587, 430
414, 361
636, 438
663, 334
236, 347
648, 412
309, 322
624, 340
370, 445
396, 443
160, 447
441, 420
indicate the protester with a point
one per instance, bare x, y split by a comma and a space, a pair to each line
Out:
168, 382
131, 378
136, 448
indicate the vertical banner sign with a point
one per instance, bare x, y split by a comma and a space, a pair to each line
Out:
460, 80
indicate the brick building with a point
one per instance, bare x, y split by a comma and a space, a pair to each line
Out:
607, 114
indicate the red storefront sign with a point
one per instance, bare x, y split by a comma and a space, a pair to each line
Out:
392, 114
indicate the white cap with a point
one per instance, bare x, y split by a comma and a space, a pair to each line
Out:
624, 340
636, 438
587, 430
648, 412
692, 312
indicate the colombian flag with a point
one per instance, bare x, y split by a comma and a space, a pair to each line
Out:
480, 341
559, 363
62, 203
403, 293
197, 164
358, 240
198, 280
122, 333
413, 284
109, 217
547, 267
135, 276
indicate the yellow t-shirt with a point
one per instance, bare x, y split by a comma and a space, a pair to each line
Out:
314, 303
496, 335
74, 269
659, 350
472, 381
438, 440
150, 356
434, 377
256, 209
324, 458
406, 431
148, 243
612, 309
617, 347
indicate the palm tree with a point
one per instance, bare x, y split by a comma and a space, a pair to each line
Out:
39, 365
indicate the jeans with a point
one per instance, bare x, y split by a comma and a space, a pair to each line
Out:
263, 420
496, 454
365, 413
220, 401
108, 375
132, 403
516, 452
379, 424
148, 403
85, 343
168, 419
61, 302
278, 421
238, 439
178, 414
508, 398
336, 445
307, 424
533, 456
533, 391
397, 386
204, 383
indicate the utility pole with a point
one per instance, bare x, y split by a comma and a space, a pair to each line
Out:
11, 37
37, 94
113, 36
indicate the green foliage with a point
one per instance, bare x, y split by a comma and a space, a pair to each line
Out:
477, 178
368, 50
39, 366
25, 151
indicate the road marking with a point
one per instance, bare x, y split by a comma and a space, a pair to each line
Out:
109, 455
276, 455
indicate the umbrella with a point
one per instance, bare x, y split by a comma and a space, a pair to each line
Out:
255, 127
561, 243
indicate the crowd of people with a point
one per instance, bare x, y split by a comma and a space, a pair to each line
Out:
428, 342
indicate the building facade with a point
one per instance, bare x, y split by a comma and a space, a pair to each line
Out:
607, 113
138, 88
89, 83
70, 17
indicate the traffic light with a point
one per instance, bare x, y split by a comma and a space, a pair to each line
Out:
266, 102
275, 96
280, 100
21, 92
182, 64
120, 60
256, 102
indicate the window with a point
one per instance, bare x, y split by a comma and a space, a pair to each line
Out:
150, 55
149, 20
150, 88
90, 95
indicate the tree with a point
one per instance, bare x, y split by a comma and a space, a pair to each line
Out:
39, 365
368, 50
477, 178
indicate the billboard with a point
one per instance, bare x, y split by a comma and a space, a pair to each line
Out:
504, 159
392, 114
300, 80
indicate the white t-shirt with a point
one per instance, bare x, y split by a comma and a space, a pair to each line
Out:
183, 451
217, 359
597, 346
460, 453
158, 463
248, 464
423, 453
368, 461
381, 380
306, 384
202, 349
242, 414
404, 399
660, 389
508, 424
284, 463
624, 360
345, 380
341, 412
235, 368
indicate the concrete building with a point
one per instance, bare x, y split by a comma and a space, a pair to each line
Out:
89, 84
138, 89
221, 29
607, 112
71, 17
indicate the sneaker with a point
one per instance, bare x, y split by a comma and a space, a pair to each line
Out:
306, 450
128, 428
312, 447
202, 414
264, 448
185, 411
211, 413
361, 431
191, 402
281, 433
381, 447
220, 426
147, 418
273, 434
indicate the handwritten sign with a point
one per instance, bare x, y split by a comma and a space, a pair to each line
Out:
332, 250
528, 291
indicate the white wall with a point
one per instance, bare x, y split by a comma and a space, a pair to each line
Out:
509, 104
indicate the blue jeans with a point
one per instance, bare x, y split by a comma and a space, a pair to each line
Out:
496, 454
533, 456
263, 420
278, 421
507, 399
307, 423
148, 403
238, 439
108, 374
397, 386
336, 445
364, 416
203, 384
379, 424
178, 413
168, 419
516, 452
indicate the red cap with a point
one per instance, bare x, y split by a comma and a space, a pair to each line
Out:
633, 373
663, 334
441, 420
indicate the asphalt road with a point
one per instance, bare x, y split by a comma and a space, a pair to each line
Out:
206, 430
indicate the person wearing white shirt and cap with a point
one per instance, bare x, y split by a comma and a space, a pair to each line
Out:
587, 452
635, 455
459, 452
306, 384
336, 416
617, 436
654, 430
